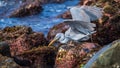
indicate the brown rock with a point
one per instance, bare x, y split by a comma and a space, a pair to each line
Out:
60, 28
26, 42
66, 15
73, 56
11, 33
26, 9
108, 32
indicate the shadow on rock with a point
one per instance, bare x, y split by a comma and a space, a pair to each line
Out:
41, 57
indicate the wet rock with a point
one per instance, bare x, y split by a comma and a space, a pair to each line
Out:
66, 15
6, 62
46, 1
41, 57
27, 9
4, 49
59, 28
72, 56
26, 42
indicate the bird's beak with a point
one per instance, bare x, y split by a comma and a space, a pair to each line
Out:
52, 42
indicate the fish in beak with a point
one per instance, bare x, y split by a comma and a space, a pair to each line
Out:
54, 40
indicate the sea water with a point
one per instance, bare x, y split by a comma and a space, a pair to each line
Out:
41, 22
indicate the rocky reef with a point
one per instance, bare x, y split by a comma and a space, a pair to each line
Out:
25, 48
21, 47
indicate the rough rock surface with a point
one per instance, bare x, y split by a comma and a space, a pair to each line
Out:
26, 42
60, 28
26, 9
72, 56
10, 33
108, 32
22, 38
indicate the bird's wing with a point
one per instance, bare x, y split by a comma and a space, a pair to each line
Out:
79, 14
81, 26
93, 12
71, 34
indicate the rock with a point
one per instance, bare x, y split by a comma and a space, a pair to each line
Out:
66, 15
26, 42
4, 49
27, 9
46, 1
72, 56
11, 33
108, 58
6, 62
59, 28
41, 57
108, 32
22, 38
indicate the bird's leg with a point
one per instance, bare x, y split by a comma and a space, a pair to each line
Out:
91, 38
100, 21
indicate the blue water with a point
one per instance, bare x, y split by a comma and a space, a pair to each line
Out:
41, 22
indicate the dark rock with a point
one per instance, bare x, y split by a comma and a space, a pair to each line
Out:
26, 42
4, 49
22, 62
6, 62
41, 57
59, 28
27, 9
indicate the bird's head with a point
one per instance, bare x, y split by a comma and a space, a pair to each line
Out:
58, 37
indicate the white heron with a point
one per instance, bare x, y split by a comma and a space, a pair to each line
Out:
80, 24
